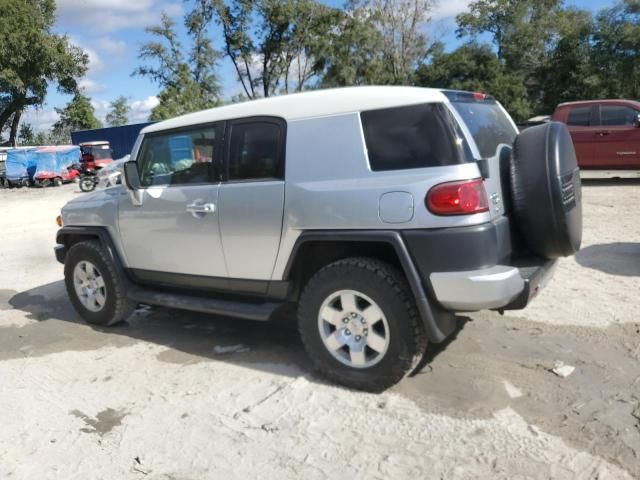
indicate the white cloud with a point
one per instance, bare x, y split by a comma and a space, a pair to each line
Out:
103, 16
139, 109
112, 47
40, 119
88, 86
446, 9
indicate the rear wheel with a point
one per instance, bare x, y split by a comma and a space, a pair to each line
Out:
359, 324
96, 291
57, 182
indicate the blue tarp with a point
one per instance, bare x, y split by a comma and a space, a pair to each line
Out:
21, 163
55, 161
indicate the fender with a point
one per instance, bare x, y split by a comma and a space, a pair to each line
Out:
101, 233
438, 324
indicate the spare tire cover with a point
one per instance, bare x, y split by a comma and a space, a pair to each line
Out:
546, 190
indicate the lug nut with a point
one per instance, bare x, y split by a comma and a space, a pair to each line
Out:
345, 320
358, 338
365, 331
347, 332
363, 321
354, 314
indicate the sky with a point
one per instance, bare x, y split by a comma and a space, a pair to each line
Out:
112, 31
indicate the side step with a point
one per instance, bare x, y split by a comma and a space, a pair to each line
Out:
250, 311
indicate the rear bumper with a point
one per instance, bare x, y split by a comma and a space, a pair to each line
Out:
496, 288
476, 268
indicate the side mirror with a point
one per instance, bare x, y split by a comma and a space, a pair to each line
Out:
131, 175
637, 120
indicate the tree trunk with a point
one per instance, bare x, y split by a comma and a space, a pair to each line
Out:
14, 127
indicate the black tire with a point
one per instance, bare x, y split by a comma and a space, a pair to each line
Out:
546, 190
117, 307
387, 287
87, 184
57, 182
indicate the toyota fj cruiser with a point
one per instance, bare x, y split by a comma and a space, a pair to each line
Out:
378, 211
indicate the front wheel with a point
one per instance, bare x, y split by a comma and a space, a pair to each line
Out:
96, 290
87, 184
359, 324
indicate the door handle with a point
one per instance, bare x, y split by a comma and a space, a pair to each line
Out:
201, 208
603, 133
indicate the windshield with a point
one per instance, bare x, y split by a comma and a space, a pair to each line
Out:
487, 122
97, 152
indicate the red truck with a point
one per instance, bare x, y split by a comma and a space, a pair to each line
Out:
605, 133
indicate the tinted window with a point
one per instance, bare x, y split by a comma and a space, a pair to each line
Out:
178, 158
488, 124
417, 136
580, 116
618, 115
254, 151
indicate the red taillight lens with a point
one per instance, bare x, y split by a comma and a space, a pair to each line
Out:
458, 198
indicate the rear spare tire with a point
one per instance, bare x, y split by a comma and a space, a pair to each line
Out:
546, 190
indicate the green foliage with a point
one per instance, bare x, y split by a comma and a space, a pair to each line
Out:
476, 67
77, 115
187, 79
119, 112
32, 58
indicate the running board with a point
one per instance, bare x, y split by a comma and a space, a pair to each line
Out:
250, 311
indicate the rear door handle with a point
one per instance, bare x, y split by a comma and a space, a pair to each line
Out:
201, 208
603, 133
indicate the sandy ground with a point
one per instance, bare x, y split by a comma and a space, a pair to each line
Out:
151, 399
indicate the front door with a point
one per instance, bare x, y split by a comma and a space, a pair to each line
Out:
619, 146
175, 229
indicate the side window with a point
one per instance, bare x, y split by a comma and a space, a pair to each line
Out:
580, 116
255, 151
178, 158
618, 115
416, 136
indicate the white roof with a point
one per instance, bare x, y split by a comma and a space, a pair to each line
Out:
316, 103
94, 143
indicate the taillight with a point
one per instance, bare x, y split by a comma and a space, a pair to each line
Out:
458, 198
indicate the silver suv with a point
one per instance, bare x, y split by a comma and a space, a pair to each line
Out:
378, 211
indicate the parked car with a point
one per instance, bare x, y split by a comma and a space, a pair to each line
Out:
378, 211
605, 133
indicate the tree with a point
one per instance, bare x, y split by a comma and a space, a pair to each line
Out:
616, 50
78, 114
26, 135
282, 52
32, 57
401, 25
544, 44
187, 78
119, 112
475, 67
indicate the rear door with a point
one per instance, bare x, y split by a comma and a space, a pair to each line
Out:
175, 229
251, 197
619, 146
583, 126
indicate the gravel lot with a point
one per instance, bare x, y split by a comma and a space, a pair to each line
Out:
152, 399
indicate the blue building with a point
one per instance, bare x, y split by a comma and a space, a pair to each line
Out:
121, 139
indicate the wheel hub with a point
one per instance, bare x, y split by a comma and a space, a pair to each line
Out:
89, 286
353, 329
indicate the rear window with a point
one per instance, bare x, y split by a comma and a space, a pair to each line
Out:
415, 136
579, 116
488, 124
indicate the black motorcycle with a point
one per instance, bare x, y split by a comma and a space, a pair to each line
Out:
88, 177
